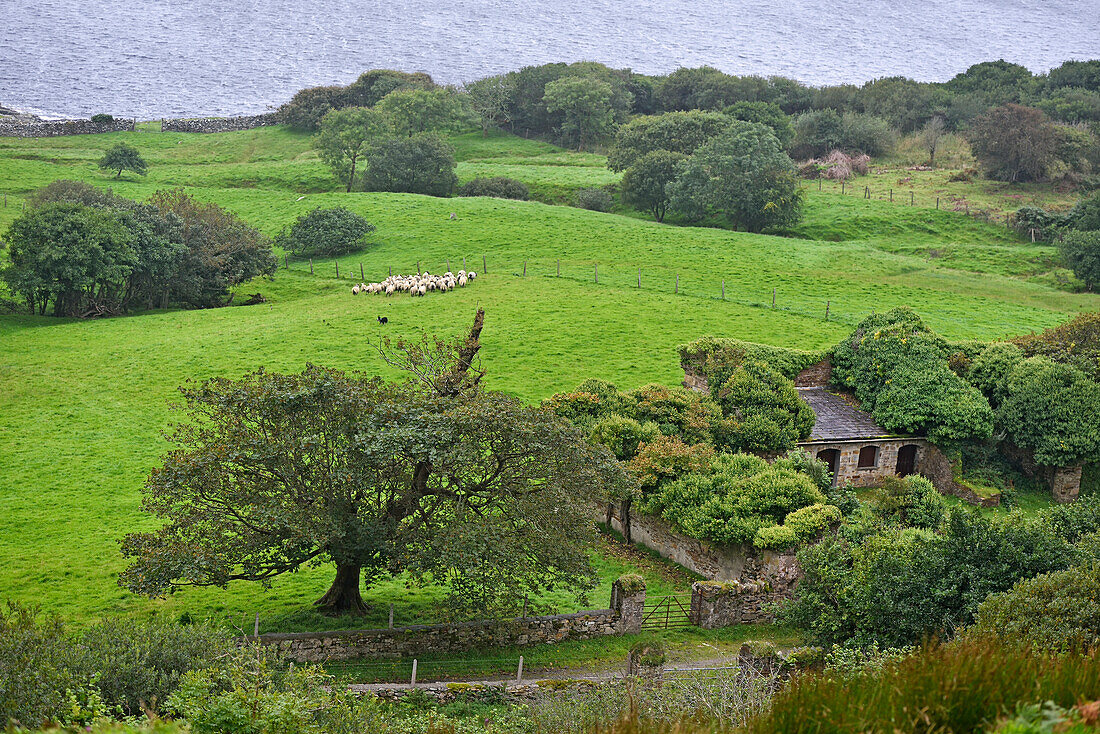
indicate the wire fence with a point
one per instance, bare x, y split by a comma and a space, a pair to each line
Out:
837, 302
506, 669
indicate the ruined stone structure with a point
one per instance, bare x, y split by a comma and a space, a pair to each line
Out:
56, 128
218, 124
716, 604
624, 617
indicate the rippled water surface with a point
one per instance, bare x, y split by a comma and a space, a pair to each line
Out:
153, 58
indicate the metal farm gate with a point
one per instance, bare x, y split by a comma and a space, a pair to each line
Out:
667, 612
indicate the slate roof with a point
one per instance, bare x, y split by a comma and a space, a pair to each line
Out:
838, 419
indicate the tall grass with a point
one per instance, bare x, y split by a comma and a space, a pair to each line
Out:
957, 688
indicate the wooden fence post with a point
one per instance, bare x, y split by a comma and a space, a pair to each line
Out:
337, 268
256, 630
677, 283
519, 673
413, 682
418, 267
448, 265
639, 277
391, 271
524, 268
596, 270
891, 196
842, 182
311, 266
559, 267
912, 199
286, 261
937, 202
484, 267
723, 289
391, 615
773, 297
463, 262
361, 275
827, 303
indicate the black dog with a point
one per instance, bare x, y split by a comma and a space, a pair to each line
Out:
383, 320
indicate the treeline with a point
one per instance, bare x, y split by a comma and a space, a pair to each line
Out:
83, 251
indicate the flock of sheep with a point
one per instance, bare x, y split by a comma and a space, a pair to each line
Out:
416, 285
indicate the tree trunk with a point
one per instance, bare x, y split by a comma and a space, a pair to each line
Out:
343, 596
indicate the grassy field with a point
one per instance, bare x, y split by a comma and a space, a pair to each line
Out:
82, 403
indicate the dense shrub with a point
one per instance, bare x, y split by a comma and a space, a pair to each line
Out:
818, 132
763, 410
102, 117
622, 436
1051, 409
1033, 220
1013, 143
739, 495
1055, 611
254, 692
35, 667
500, 187
990, 370
716, 358
1085, 214
1075, 342
326, 233
597, 200
423, 164
766, 113
811, 521
899, 585
666, 459
898, 369
912, 501
307, 107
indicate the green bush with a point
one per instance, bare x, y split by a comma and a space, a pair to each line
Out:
1056, 611
102, 118
775, 537
666, 459
763, 410
812, 521
1081, 253
1075, 342
500, 187
423, 164
593, 199
326, 233
912, 501
1085, 214
622, 435
35, 667
990, 370
739, 495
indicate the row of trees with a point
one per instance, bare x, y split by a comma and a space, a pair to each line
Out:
581, 103
88, 252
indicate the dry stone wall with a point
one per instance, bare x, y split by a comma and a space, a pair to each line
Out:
625, 617
56, 128
218, 124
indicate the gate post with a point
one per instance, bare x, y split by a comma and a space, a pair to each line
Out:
627, 603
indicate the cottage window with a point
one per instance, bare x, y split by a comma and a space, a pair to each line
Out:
868, 457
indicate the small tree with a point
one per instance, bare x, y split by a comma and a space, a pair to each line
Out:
1014, 143
645, 184
931, 136
122, 157
433, 476
1081, 254
743, 176
424, 164
345, 137
490, 99
679, 132
325, 233
586, 107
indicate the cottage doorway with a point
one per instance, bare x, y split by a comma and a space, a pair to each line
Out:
907, 460
831, 457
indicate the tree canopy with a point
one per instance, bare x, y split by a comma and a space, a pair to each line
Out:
433, 476
326, 233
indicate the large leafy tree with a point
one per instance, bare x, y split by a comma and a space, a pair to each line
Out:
742, 176
586, 104
434, 476
677, 132
1081, 253
345, 138
489, 98
413, 111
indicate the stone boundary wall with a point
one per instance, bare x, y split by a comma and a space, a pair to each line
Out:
56, 128
218, 124
715, 604
625, 617
715, 562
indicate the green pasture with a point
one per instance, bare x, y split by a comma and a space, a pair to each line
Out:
83, 403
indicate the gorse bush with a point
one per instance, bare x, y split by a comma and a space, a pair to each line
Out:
1056, 611
500, 187
597, 200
